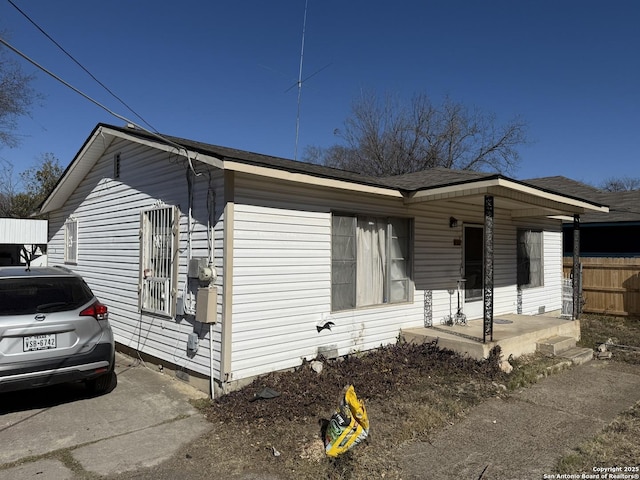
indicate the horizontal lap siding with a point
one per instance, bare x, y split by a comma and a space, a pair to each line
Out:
276, 304
108, 213
282, 278
438, 260
548, 297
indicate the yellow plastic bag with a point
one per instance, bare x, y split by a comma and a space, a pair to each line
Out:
348, 426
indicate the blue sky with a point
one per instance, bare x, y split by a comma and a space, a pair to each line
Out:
217, 71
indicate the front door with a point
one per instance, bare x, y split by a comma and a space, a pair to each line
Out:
473, 262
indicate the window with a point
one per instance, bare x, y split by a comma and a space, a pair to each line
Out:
370, 261
71, 241
530, 272
27, 296
158, 266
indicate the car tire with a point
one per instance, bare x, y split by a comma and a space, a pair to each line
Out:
102, 384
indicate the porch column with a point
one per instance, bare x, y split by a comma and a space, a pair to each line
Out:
576, 267
488, 269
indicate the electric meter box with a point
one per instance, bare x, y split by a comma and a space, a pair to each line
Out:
207, 305
195, 266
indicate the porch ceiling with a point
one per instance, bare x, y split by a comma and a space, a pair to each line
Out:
520, 199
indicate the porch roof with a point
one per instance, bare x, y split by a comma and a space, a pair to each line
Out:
520, 198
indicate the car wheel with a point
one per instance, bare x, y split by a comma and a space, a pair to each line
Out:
102, 384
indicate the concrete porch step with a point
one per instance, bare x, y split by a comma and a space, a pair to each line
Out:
577, 355
555, 345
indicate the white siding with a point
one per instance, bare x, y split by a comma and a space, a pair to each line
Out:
20, 231
108, 214
281, 262
548, 297
439, 256
282, 279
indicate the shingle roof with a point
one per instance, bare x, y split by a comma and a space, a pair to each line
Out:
623, 206
258, 159
435, 177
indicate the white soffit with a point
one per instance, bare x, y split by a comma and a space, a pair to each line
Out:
310, 179
501, 187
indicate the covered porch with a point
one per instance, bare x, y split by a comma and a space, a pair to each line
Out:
516, 334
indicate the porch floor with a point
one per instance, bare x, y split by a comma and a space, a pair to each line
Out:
516, 334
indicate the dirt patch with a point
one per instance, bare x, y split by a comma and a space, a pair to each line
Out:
409, 391
620, 334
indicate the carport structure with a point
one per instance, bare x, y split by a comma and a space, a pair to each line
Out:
23, 241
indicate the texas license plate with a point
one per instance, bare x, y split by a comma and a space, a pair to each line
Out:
39, 342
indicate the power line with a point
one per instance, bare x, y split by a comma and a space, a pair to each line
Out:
95, 102
81, 66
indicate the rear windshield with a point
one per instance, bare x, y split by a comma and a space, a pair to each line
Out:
23, 296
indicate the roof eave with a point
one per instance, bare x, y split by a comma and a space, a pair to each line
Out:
501, 186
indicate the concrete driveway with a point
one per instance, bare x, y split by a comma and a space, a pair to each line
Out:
62, 433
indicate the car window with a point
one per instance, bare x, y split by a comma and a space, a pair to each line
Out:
23, 296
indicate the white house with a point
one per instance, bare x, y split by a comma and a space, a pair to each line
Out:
224, 264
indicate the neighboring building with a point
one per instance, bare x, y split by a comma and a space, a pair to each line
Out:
613, 234
223, 264
22, 241
609, 248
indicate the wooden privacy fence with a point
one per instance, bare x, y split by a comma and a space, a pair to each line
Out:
610, 286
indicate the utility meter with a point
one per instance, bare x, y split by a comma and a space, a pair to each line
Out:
206, 274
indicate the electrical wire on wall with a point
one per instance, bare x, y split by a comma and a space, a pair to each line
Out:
211, 214
211, 219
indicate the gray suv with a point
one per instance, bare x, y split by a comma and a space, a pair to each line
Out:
52, 330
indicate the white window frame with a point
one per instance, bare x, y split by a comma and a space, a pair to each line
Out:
71, 241
159, 236
354, 258
524, 263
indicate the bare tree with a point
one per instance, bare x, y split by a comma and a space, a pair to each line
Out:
21, 198
385, 137
16, 96
620, 184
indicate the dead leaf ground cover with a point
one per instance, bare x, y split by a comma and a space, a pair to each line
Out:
410, 391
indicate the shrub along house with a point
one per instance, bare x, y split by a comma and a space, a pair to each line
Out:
224, 264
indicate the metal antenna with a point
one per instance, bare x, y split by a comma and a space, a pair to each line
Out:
304, 28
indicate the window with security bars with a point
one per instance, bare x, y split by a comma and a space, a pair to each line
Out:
71, 241
158, 268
